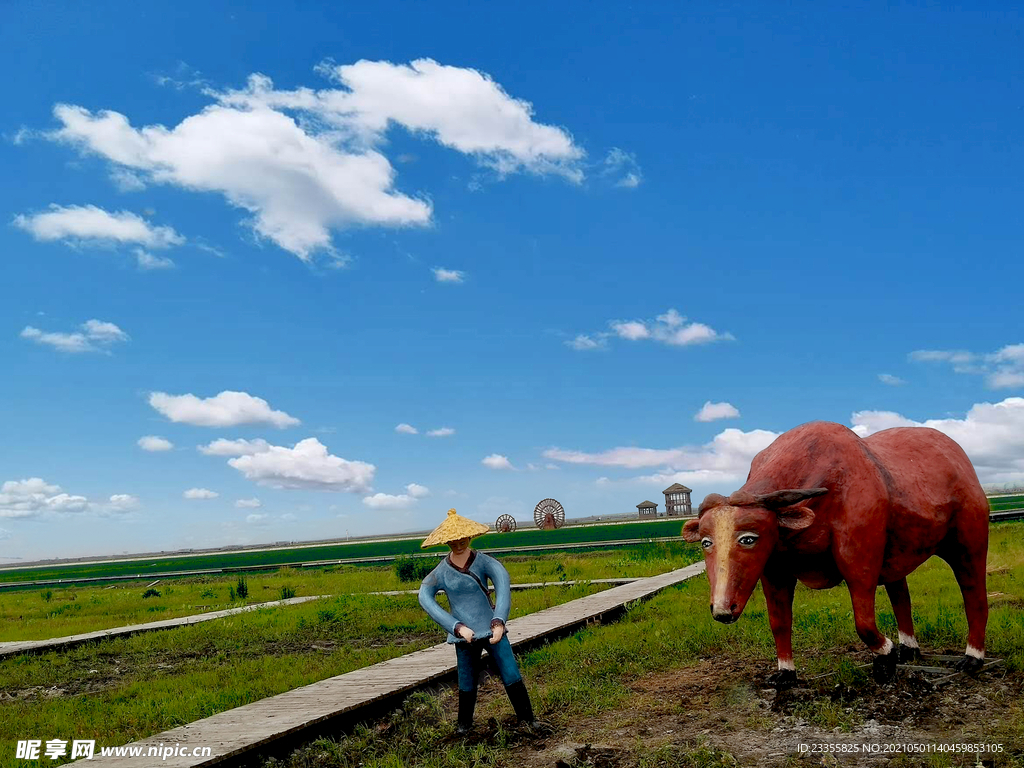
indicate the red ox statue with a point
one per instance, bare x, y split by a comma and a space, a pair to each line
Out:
823, 506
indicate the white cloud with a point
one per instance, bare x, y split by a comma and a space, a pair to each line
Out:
87, 224
121, 502
669, 328
252, 503
305, 162
227, 409
992, 435
5, 534
387, 501
1002, 369
714, 411
94, 336
407, 429
583, 342
725, 459
623, 167
154, 443
417, 491
497, 461
307, 465
441, 432
148, 262
200, 493
256, 519
892, 381
33, 496
449, 275
224, 447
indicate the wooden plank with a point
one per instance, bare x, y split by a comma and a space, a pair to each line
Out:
245, 729
15, 647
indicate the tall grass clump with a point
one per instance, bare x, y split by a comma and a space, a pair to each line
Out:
413, 568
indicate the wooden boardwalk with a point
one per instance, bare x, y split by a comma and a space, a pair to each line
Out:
10, 648
14, 647
336, 701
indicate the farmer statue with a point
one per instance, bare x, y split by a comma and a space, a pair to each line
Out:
475, 623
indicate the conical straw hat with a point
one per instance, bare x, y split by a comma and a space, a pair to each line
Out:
454, 527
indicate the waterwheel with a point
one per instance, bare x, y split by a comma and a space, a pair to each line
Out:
505, 524
549, 515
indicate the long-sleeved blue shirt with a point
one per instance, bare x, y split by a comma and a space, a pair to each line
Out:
469, 604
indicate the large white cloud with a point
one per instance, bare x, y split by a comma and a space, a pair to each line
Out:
33, 496
88, 224
305, 162
306, 465
726, 459
992, 435
413, 493
227, 409
93, 336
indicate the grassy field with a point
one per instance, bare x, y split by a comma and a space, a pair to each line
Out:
126, 688
1003, 503
524, 538
594, 677
42, 613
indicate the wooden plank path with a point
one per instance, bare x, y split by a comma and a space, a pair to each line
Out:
14, 647
335, 702
10, 648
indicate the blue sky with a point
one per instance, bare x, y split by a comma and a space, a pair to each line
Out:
255, 256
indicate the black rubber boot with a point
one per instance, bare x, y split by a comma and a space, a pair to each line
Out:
467, 703
520, 701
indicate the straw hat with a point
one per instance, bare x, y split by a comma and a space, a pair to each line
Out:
454, 527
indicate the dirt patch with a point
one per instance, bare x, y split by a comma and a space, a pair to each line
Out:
720, 713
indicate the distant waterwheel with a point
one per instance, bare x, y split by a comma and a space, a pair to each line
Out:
549, 515
505, 524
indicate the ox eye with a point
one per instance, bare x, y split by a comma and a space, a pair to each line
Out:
706, 542
748, 540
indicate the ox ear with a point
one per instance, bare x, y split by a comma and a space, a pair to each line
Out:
777, 499
794, 518
690, 531
711, 501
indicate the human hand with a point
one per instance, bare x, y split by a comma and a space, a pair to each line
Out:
466, 633
497, 632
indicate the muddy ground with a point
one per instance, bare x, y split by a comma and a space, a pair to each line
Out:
721, 713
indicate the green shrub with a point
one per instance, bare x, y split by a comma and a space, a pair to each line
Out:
150, 593
47, 595
287, 593
413, 568
242, 588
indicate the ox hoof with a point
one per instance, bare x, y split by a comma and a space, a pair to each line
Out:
969, 664
884, 667
783, 679
909, 655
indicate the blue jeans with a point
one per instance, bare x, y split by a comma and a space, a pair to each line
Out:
468, 657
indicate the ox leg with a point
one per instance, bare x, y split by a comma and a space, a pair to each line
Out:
863, 598
899, 596
970, 575
778, 595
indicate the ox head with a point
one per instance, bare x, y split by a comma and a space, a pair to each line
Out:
738, 534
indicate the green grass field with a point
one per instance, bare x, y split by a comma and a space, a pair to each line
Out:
126, 688
524, 538
1002, 503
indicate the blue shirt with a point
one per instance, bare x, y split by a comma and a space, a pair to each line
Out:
469, 603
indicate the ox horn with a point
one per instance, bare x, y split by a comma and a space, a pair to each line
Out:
788, 497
